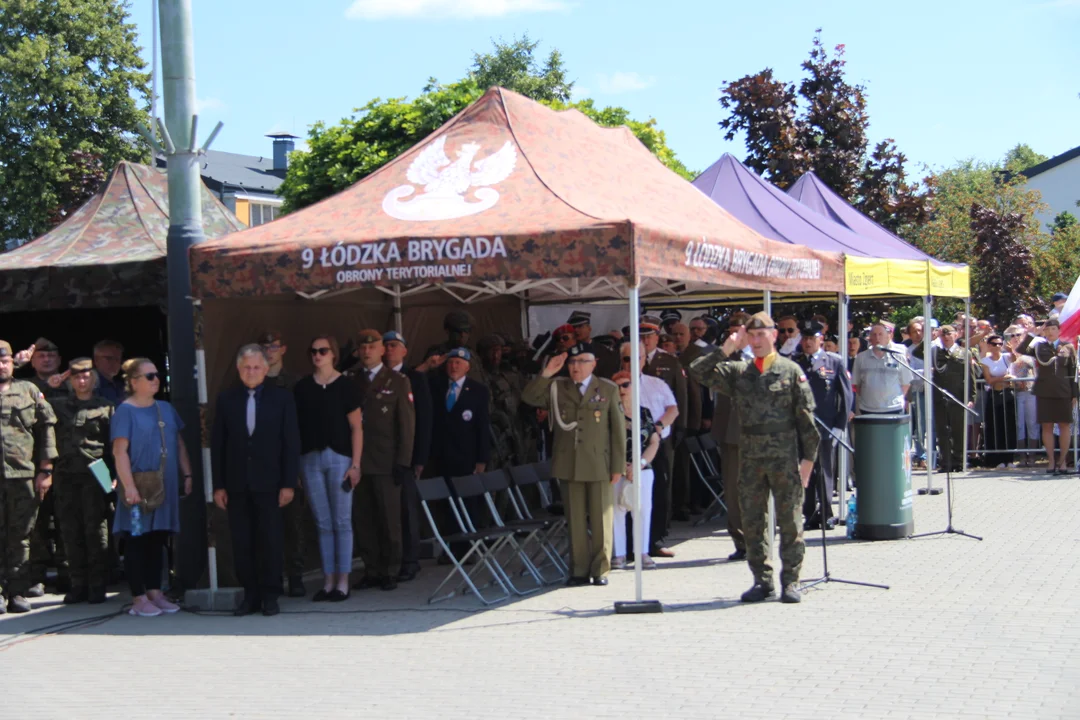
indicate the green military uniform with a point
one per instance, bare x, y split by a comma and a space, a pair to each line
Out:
294, 514
82, 436
28, 440
389, 427
681, 491
950, 418
47, 540
589, 447
775, 410
507, 428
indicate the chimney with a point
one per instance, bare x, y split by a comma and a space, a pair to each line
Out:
283, 145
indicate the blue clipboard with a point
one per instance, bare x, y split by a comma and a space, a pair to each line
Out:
101, 474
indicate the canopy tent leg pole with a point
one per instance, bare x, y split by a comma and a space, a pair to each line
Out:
397, 310
639, 605
204, 447
525, 319
770, 537
842, 466
967, 372
928, 397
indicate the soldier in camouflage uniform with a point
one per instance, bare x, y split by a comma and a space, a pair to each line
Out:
779, 446
82, 436
507, 430
29, 448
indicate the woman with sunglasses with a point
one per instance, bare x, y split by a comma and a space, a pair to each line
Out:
999, 406
331, 444
650, 443
139, 428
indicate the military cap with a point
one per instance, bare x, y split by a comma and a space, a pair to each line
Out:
760, 321
651, 320
605, 340
269, 337
79, 365
579, 318
5, 349
460, 353
564, 329
367, 337
394, 335
580, 349
811, 328
46, 345
948, 330
1059, 296
670, 315
457, 320
647, 329
665, 337
1053, 322
489, 341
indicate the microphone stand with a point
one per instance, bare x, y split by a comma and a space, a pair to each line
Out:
949, 529
823, 489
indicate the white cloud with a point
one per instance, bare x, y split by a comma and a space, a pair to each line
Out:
623, 82
209, 104
429, 9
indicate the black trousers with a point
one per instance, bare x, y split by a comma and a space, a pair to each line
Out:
256, 527
661, 495
143, 561
825, 465
410, 524
999, 415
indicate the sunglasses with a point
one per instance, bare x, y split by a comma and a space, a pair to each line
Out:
626, 359
788, 331
624, 385
149, 376
564, 338
996, 344
319, 351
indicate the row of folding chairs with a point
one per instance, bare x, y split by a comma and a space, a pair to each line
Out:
705, 460
498, 542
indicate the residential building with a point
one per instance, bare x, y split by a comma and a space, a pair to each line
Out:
1058, 180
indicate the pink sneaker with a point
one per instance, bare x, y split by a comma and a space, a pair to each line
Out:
162, 603
144, 608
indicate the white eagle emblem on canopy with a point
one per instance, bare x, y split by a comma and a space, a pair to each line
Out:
446, 182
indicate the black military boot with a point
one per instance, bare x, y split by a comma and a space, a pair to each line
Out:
791, 594
36, 590
18, 604
97, 595
77, 595
758, 593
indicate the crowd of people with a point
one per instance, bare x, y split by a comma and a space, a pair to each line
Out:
345, 444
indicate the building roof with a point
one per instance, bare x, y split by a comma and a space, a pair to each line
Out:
246, 173
1052, 163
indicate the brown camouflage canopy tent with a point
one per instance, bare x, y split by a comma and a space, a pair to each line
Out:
108, 253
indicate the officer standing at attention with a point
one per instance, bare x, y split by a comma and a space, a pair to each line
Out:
607, 358
589, 456
82, 434
389, 427
779, 446
29, 449
831, 386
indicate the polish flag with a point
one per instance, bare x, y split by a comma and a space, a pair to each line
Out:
1069, 317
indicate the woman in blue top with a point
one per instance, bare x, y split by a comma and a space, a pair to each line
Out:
136, 447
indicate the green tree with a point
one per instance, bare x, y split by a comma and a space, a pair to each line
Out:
1057, 258
821, 126
1021, 157
71, 95
1004, 285
342, 154
513, 67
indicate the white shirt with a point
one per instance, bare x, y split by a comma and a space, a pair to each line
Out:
373, 372
657, 397
584, 385
397, 368
701, 343
455, 385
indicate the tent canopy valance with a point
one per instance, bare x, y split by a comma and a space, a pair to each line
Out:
108, 253
511, 197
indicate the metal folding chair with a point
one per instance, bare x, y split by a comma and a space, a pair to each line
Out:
708, 473
557, 536
472, 486
498, 484
433, 492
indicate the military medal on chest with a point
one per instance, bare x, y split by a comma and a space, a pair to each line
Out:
596, 415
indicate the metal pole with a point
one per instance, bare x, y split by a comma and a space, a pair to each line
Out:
967, 372
766, 300
397, 309
185, 230
842, 466
928, 392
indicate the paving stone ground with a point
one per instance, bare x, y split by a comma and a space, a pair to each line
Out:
968, 629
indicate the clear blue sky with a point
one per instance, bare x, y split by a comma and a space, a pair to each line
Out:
946, 79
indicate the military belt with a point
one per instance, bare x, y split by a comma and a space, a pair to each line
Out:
767, 428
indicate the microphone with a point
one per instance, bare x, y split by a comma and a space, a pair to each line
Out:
882, 348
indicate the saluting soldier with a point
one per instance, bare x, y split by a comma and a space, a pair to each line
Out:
29, 449
588, 456
1055, 388
831, 386
389, 426
82, 434
779, 446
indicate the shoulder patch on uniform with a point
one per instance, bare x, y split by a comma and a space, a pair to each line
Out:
802, 378
410, 397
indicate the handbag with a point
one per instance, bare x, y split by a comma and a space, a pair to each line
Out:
151, 483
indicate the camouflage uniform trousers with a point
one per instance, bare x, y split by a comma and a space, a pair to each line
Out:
18, 511
47, 543
769, 464
81, 508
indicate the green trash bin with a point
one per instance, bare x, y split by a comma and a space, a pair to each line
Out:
883, 495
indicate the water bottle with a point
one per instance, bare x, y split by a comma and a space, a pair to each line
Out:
136, 521
852, 516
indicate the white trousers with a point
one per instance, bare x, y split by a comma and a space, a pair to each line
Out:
646, 512
1026, 426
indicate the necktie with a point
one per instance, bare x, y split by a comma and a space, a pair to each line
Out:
251, 412
580, 388
451, 396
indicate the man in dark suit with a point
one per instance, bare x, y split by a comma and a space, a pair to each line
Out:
461, 423
255, 454
829, 382
396, 350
